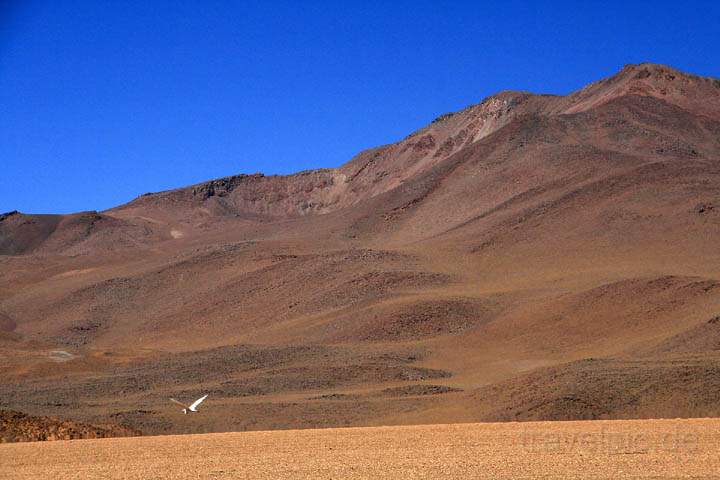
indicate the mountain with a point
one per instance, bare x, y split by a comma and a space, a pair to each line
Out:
528, 257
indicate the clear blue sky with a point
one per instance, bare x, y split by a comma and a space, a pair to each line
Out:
101, 101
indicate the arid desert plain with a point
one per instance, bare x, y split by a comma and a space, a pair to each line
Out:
579, 449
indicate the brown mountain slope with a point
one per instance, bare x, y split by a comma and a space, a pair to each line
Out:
458, 274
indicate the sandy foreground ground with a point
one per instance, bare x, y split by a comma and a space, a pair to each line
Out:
589, 449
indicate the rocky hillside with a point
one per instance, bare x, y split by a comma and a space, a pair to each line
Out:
19, 427
528, 257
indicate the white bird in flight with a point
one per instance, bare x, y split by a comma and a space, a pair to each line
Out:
190, 408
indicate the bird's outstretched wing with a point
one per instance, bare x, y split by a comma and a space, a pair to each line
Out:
179, 403
197, 402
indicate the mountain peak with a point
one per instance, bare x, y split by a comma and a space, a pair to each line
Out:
687, 91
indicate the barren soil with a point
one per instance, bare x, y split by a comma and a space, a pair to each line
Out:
562, 450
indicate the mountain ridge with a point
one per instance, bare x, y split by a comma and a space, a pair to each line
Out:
493, 265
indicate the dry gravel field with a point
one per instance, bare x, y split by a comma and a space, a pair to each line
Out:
578, 449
